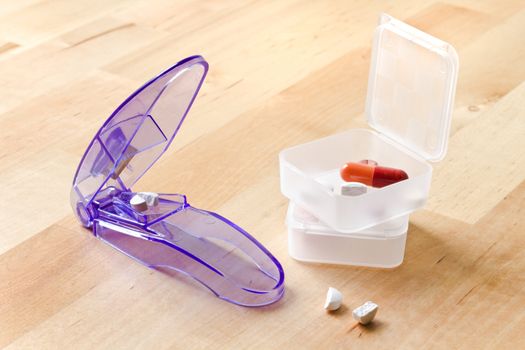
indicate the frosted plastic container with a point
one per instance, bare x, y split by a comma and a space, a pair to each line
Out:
312, 241
409, 102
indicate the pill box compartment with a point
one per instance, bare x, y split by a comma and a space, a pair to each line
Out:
409, 103
310, 177
310, 240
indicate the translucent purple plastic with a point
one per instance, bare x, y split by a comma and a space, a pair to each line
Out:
173, 235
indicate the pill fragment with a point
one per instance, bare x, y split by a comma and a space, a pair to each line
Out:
138, 203
365, 313
375, 176
353, 189
368, 161
334, 298
151, 198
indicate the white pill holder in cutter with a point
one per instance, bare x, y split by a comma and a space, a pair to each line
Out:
409, 104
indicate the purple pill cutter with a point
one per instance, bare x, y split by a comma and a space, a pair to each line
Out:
172, 234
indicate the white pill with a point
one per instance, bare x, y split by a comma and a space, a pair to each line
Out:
334, 298
365, 313
138, 203
353, 189
151, 198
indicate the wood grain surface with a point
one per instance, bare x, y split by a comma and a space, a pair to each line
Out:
281, 73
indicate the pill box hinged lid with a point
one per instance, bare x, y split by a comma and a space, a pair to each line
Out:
411, 88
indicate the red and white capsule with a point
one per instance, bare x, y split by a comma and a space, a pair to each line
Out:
375, 176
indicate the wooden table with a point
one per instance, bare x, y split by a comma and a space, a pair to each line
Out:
282, 73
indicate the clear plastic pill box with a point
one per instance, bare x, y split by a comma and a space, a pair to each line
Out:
409, 104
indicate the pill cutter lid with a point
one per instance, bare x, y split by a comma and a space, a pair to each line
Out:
138, 132
411, 88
